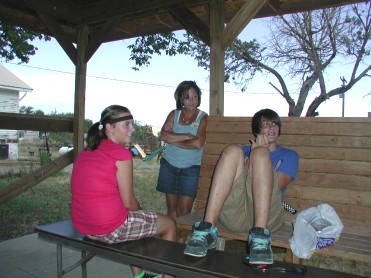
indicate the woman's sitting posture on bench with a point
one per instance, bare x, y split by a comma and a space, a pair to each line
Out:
246, 191
104, 206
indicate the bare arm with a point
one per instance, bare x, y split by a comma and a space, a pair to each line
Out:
283, 180
125, 183
183, 140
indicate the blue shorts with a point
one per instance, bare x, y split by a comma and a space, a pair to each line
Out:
173, 180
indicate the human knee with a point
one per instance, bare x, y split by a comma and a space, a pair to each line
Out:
166, 227
259, 153
170, 223
183, 211
232, 151
171, 228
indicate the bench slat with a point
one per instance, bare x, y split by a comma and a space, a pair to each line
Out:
293, 141
329, 180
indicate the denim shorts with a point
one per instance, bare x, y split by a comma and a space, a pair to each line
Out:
178, 181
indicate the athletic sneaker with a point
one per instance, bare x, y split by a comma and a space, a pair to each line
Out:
204, 237
260, 246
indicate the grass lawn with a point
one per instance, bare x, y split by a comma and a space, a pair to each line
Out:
50, 200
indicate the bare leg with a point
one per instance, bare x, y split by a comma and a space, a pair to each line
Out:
136, 270
261, 171
229, 167
184, 207
178, 206
166, 229
171, 202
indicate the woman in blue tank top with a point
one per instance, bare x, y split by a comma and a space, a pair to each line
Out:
184, 133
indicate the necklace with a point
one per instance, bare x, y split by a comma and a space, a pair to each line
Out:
186, 122
189, 120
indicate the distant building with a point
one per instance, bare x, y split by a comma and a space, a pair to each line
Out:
10, 87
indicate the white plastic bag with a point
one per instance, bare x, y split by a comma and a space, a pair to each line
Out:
315, 228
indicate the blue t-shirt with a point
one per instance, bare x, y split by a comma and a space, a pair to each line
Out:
284, 160
179, 157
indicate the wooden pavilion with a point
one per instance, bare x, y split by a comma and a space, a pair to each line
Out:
81, 26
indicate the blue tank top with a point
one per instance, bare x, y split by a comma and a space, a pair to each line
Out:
179, 157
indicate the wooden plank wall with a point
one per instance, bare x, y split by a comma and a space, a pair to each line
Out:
334, 166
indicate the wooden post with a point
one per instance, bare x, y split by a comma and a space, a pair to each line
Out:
80, 87
216, 58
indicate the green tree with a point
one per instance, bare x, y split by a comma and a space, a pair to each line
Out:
143, 135
30, 110
15, 42
65, 138
55, 138
302, 46
145, 47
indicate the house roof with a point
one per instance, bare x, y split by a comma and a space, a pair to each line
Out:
10, 81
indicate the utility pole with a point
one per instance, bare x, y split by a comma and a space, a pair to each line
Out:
342, 95
343, 103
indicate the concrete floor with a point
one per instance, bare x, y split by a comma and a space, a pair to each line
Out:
30, 257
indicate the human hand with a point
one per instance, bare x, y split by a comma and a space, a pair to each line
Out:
261, 140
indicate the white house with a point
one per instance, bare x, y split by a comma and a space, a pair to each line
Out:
10, 88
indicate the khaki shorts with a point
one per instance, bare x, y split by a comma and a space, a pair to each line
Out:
238, 211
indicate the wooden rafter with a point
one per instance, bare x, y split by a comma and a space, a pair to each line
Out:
59, 35
98, 36
191, 22
240, 20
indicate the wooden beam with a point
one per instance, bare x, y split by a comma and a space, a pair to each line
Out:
31, 22
274, 5
190, 21
130, 8
67, 9
216, 58
241, 19
70, 14
80, 88
166, 20
58, 34
37, 176
97, 37
277, 7
15, 121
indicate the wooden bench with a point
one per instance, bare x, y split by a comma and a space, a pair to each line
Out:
334, 168
160, 256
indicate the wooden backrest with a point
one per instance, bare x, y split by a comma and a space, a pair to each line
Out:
334, 166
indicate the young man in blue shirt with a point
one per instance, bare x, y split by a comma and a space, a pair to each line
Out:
247, 189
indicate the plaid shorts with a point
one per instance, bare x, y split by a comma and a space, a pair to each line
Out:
139, 224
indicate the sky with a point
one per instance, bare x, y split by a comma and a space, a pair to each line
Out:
149, 92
